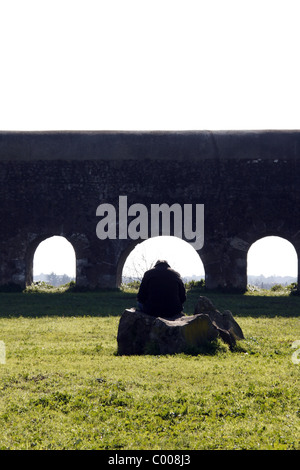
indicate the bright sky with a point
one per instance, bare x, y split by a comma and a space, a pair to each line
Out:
269, 256
149, 65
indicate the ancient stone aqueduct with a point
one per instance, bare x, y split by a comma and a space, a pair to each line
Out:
53, 182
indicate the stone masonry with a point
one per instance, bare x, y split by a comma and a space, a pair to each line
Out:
53, 182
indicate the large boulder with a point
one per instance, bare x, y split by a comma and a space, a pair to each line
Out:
139, 333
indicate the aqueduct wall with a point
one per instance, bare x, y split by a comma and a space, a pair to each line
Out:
53, 182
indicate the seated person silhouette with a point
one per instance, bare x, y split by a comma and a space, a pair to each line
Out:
162, 292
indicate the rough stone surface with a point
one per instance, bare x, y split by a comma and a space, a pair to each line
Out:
223, 320
139, 333
51, 183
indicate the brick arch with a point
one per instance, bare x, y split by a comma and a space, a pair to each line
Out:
31, 251
281, 239
52, 246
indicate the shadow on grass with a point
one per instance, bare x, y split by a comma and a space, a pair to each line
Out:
113, 302
97, 304
245, 305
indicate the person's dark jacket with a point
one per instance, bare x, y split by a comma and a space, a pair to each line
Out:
162, 292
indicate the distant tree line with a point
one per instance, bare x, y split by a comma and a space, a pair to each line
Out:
267, 282
54, 279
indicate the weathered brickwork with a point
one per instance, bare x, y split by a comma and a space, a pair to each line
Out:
52, 183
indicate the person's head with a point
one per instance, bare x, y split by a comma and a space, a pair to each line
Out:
161, 263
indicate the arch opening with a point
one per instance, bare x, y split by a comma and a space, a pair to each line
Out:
271, 260
54, 261
181, 256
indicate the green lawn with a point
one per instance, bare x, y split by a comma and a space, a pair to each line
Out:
64, 387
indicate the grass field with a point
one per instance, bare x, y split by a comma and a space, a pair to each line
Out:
63, 386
